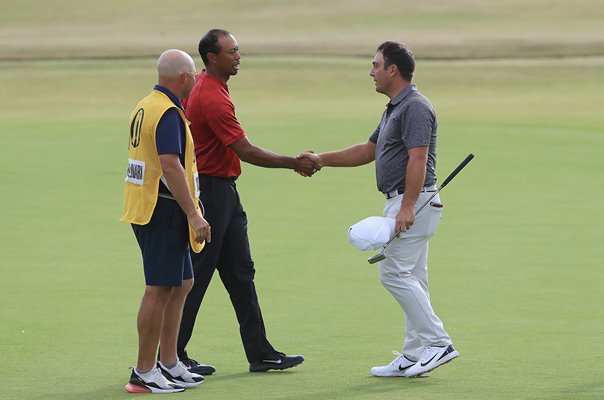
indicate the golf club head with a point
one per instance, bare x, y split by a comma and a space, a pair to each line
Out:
376, 258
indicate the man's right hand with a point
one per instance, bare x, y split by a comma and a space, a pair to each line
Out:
203, 231
311, 163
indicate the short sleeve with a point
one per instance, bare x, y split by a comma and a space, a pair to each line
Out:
374, 136
168, 135
224, 123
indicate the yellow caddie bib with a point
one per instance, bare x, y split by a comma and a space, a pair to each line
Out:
144, 168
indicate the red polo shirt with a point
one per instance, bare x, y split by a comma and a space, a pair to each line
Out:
214, 127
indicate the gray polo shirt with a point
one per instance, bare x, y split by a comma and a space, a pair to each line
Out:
408, 121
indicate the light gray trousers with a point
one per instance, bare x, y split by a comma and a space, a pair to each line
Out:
404, 273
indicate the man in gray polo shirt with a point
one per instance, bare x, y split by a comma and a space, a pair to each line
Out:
404, 150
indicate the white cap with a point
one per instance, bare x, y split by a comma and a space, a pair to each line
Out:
371, 233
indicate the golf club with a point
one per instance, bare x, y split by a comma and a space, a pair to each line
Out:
380, 256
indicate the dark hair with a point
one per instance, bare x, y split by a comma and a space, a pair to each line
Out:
209, 43
399, 55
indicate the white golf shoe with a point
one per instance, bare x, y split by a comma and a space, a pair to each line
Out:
180, 375
151, 382
432, 357
397, 367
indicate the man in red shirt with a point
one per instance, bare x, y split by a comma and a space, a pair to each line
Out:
220, 145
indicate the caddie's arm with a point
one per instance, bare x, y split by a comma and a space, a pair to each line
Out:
414, 181
177, 182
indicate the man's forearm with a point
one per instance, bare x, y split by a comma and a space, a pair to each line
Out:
414, 180
255, 155
177, 183
267, 159
353, 156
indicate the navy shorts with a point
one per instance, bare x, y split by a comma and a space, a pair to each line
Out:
164, 244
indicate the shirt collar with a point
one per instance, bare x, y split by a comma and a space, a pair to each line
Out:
402, 94
213, 78
170, 95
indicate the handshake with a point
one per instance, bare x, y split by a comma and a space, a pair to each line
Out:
308, 163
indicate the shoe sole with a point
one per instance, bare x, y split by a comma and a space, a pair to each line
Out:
132, 388
205, 371
178, 382
276, 367
186, 384
455, 355
421, 375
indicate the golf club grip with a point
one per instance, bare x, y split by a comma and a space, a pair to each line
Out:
457, 170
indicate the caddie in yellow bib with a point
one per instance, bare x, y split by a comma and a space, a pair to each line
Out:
144, 172
161, 204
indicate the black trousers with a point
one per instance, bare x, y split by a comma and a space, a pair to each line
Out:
229, 253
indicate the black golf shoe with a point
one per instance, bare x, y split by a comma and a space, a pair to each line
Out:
277, 361
195, 367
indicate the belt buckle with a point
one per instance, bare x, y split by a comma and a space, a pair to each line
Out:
393, 193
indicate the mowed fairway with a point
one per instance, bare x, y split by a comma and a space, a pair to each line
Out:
515, 267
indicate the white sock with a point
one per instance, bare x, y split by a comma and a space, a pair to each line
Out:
170, 366
142, 374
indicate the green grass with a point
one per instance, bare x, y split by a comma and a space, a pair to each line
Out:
515, 268
516, 264
461, 28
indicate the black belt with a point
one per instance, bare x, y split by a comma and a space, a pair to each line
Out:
222, 178
397, 192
